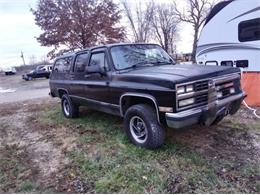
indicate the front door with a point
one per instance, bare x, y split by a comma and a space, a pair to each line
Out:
96, 87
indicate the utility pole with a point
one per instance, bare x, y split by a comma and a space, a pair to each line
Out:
22, 58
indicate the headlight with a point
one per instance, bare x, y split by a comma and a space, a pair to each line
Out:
219, 94
185, 89
189, 88
181, 90
232, 90
186, 102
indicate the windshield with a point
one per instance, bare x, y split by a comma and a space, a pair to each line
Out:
129, 56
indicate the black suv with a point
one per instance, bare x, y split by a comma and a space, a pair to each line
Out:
142, 84
40, 72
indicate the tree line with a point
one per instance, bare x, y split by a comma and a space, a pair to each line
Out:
69, 25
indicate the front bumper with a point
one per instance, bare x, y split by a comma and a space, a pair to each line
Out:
205, 115
25, 77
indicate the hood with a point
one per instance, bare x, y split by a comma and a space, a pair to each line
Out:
182, 72
169, 75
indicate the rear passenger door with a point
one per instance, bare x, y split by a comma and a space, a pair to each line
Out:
77, 75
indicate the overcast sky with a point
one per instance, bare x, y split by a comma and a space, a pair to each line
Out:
18, 32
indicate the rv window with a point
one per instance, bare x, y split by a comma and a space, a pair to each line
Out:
212, 63
249, 30
242, 63
227, 63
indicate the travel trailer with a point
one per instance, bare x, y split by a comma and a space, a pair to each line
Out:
231, 37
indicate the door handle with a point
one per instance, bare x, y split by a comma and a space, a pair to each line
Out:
86, 75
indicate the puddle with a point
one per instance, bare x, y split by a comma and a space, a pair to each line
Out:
6, 90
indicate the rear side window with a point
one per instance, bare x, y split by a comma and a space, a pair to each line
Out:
63, 65
249, 30
81, 62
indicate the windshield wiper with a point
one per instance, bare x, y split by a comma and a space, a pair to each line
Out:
163, 62
139, 64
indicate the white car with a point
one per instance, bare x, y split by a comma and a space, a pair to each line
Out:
9, 70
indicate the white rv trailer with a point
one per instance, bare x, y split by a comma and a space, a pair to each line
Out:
231, 33
231, 37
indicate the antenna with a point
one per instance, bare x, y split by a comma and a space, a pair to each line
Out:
22, 58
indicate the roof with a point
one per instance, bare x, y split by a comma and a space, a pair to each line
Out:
216, 9
100, 47
118, 44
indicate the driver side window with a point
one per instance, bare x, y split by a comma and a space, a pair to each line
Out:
98, 59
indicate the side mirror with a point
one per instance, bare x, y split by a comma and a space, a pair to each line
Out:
96, 69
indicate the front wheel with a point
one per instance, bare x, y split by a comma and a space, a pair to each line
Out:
69, 109
142, 127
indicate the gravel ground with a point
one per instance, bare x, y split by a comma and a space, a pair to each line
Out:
14, 88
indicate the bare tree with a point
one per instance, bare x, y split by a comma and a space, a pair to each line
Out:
32, 60
195, 14
165, 25
140, 20
44, 59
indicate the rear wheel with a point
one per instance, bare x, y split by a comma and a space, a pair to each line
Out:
69, 109
142, 127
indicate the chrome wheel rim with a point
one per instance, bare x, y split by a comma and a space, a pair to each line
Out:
138, 129
66, 107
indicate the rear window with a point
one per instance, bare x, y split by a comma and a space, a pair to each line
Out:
249, 30
63, 64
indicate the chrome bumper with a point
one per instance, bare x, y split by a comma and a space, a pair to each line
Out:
206, 114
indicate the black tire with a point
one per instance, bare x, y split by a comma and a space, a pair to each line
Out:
69, 109
155, 133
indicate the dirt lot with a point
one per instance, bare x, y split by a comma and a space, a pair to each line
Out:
14, 88
42, 152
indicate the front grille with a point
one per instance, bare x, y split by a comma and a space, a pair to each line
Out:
201, 85
200, 95
225, 89
202, 99
207, 91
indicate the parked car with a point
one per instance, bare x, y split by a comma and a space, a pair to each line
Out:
9, 70
40, 72
142, 84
